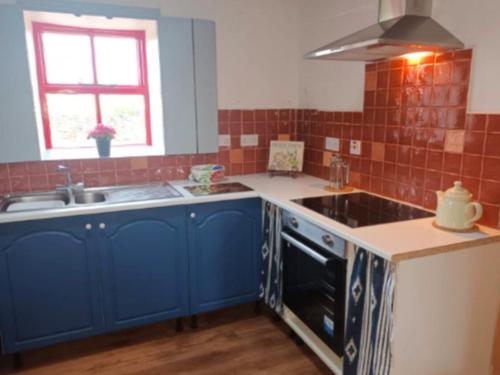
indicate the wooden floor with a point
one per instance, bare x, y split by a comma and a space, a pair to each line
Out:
234, 341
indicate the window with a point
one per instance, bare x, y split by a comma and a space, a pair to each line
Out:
87, 76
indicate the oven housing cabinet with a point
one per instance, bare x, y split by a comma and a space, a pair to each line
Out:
445, 311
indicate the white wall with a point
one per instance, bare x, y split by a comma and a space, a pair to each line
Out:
261, 43
332, 85
257, 49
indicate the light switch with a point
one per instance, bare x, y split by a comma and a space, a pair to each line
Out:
248, 140
224, 140
332, 144
355, 148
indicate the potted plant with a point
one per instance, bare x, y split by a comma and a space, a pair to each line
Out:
103, 135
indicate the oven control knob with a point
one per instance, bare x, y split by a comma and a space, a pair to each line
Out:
294, 223
327, 239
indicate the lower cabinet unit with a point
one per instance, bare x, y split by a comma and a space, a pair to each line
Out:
49, 283
78, 276
144, 265
224, 253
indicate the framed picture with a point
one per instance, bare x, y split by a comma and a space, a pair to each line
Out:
286, 156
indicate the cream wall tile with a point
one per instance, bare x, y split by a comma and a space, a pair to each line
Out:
454, 141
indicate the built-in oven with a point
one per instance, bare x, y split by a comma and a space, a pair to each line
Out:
314, 279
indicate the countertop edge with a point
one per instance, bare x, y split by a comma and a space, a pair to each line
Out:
117, 207
282, 201
415, 254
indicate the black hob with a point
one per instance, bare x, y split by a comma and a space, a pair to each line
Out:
362, 209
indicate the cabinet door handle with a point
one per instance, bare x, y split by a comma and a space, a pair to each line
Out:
192, 215
102, 226
88, 226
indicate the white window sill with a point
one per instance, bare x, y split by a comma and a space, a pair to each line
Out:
91, 153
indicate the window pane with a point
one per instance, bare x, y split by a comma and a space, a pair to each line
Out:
71, 118
68, 58
126, 113
117, 60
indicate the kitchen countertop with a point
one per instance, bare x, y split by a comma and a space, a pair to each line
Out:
393, 241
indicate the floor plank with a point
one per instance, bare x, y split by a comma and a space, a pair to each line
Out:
234, 341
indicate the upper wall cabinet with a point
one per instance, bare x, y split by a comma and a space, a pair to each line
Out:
189, 84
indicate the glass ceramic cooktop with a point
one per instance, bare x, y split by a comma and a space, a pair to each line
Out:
229, 187
362, 209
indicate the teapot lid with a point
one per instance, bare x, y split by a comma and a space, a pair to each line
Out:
458, 192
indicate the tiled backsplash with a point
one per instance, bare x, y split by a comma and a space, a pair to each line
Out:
267, 124
416, 136
415, 133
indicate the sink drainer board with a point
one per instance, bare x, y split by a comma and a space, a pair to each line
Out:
139, 193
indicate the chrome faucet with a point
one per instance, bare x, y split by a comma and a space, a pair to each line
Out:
70, 186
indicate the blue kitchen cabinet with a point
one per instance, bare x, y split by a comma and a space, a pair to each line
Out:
224, 253
144, 265
49, 284
78, 276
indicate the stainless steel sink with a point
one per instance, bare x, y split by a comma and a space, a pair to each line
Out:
89, 197
34, 201
94, 196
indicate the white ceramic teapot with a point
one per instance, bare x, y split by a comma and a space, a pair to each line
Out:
455, 210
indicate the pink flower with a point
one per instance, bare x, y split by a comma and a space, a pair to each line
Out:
102, 131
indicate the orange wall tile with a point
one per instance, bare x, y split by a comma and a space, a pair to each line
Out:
419, 137
35, 176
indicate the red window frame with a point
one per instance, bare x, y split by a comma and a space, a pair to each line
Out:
96, 89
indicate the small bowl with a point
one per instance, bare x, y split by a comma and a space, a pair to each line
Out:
207, 173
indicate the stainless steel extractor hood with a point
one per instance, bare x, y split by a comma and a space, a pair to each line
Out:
405, 26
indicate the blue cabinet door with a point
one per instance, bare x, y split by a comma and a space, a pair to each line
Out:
49, 285
224, 253
145, 265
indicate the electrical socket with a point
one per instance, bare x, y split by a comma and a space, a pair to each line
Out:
248, 140
355, 148
332, 144
224, 140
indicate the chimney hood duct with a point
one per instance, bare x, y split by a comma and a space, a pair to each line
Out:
405, 26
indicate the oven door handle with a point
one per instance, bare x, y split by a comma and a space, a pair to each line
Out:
305, 249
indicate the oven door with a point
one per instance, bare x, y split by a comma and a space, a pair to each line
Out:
314, 288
